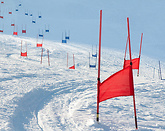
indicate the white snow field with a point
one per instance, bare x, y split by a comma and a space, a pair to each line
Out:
37, 96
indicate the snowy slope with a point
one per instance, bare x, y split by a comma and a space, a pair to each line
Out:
36, 96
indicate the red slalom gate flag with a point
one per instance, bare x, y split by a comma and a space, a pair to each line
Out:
72, 67
15, 33
24, 54
135, 63
118, 84
23, 31
39, 45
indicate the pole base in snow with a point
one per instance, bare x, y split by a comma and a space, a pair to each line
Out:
97, 117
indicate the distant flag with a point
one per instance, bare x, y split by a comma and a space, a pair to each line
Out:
39, 42
15, 31
63, 40
46, 28
39, 15
24, 54
1, 30
23, 29
67, 35
92, 65
71, 67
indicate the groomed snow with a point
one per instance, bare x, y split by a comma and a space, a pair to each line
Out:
36, 96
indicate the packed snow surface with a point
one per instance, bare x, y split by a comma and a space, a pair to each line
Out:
37, 96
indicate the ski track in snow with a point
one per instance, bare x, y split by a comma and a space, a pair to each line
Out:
35, 96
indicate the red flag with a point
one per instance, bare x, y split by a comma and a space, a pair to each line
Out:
12, 24
15, 33
24, 54
23, 31
39, 45
72, 67
135, 63
118, 84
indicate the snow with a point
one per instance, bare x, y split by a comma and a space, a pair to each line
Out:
37, 96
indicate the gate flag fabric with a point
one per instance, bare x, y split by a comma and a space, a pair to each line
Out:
135, 63
118, 84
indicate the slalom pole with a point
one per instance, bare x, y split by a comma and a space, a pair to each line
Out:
126, 49
140, 52
41, 55
98, 79
21, 46
73, 60
132, 73
26, 47
48, 57
125, 53
96, 55
140, 44
42, 39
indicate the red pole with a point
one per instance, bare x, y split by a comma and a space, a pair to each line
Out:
140, 44
41, 55
140, 52
98, 79
131, 72
126, 49
21, 46
26, 46
48, 57
73, 60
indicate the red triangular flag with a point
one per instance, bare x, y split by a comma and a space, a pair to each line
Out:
119, 84
39, 45
135, 63
24, 54
72, 67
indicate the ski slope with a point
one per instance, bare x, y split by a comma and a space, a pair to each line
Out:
40, 97
36, 96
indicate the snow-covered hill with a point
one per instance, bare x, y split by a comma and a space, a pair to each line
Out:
36, 96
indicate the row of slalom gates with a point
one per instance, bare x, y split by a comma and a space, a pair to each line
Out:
40, 35
24, 53
24, 29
